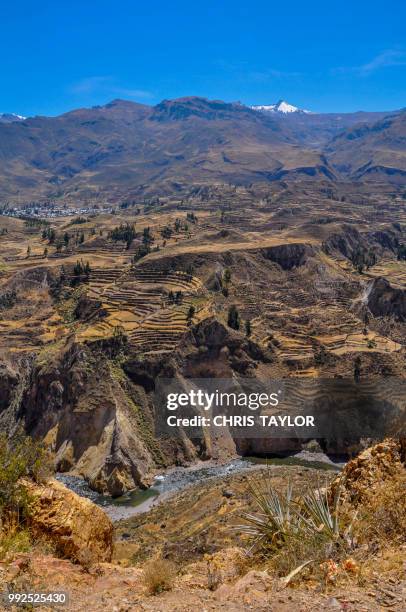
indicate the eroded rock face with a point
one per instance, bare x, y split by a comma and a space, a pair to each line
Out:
8, 384
213, 338
385, 300
348, 241
92, 424
345, 242
71, 523
289, 256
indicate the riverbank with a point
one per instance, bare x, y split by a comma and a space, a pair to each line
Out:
177, 479
204, 516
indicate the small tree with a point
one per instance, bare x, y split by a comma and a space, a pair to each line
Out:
190, 314
248, 328
225, 281
233, 320
166, 232
147, 238
357, 369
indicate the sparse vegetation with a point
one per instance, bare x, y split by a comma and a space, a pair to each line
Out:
233, 319
141, 252
79, 220
401, 252
14, 540
86, 559
248, 329
159, 575
363, 259
190, 314
8, 299
382, 520
81, 272
291, 531
125, 232
20, 457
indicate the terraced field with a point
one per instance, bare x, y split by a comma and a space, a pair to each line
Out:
137, 300
295, 308
395, 270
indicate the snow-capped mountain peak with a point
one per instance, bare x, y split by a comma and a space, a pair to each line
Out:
280, 107
10, 117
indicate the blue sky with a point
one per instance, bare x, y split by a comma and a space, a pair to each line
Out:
324, 56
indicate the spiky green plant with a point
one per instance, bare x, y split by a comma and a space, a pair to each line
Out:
274, 521
281, 520
315, 513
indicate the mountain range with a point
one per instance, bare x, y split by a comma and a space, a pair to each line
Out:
124, 148
11, 117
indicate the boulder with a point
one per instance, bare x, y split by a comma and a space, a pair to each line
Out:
71, 523
373, 466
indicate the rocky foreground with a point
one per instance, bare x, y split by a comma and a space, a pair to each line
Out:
190, 537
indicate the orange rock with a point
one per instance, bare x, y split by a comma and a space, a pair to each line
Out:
71, 523
372, 466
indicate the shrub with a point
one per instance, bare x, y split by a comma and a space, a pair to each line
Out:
14, 541
248, 329
382, 518
233, 319
86, 559
124, 232
214, 574
159, 575
20, 457
293, 531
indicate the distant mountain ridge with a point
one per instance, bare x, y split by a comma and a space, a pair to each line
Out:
11, 117
125, 149
374, 151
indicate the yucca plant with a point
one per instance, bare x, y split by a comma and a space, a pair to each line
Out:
275, 521
316, 515
280, 519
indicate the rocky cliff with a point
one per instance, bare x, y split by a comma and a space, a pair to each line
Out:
70, 523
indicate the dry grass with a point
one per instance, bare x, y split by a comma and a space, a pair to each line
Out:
382, 518
86, 559
13, 541
159, 576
